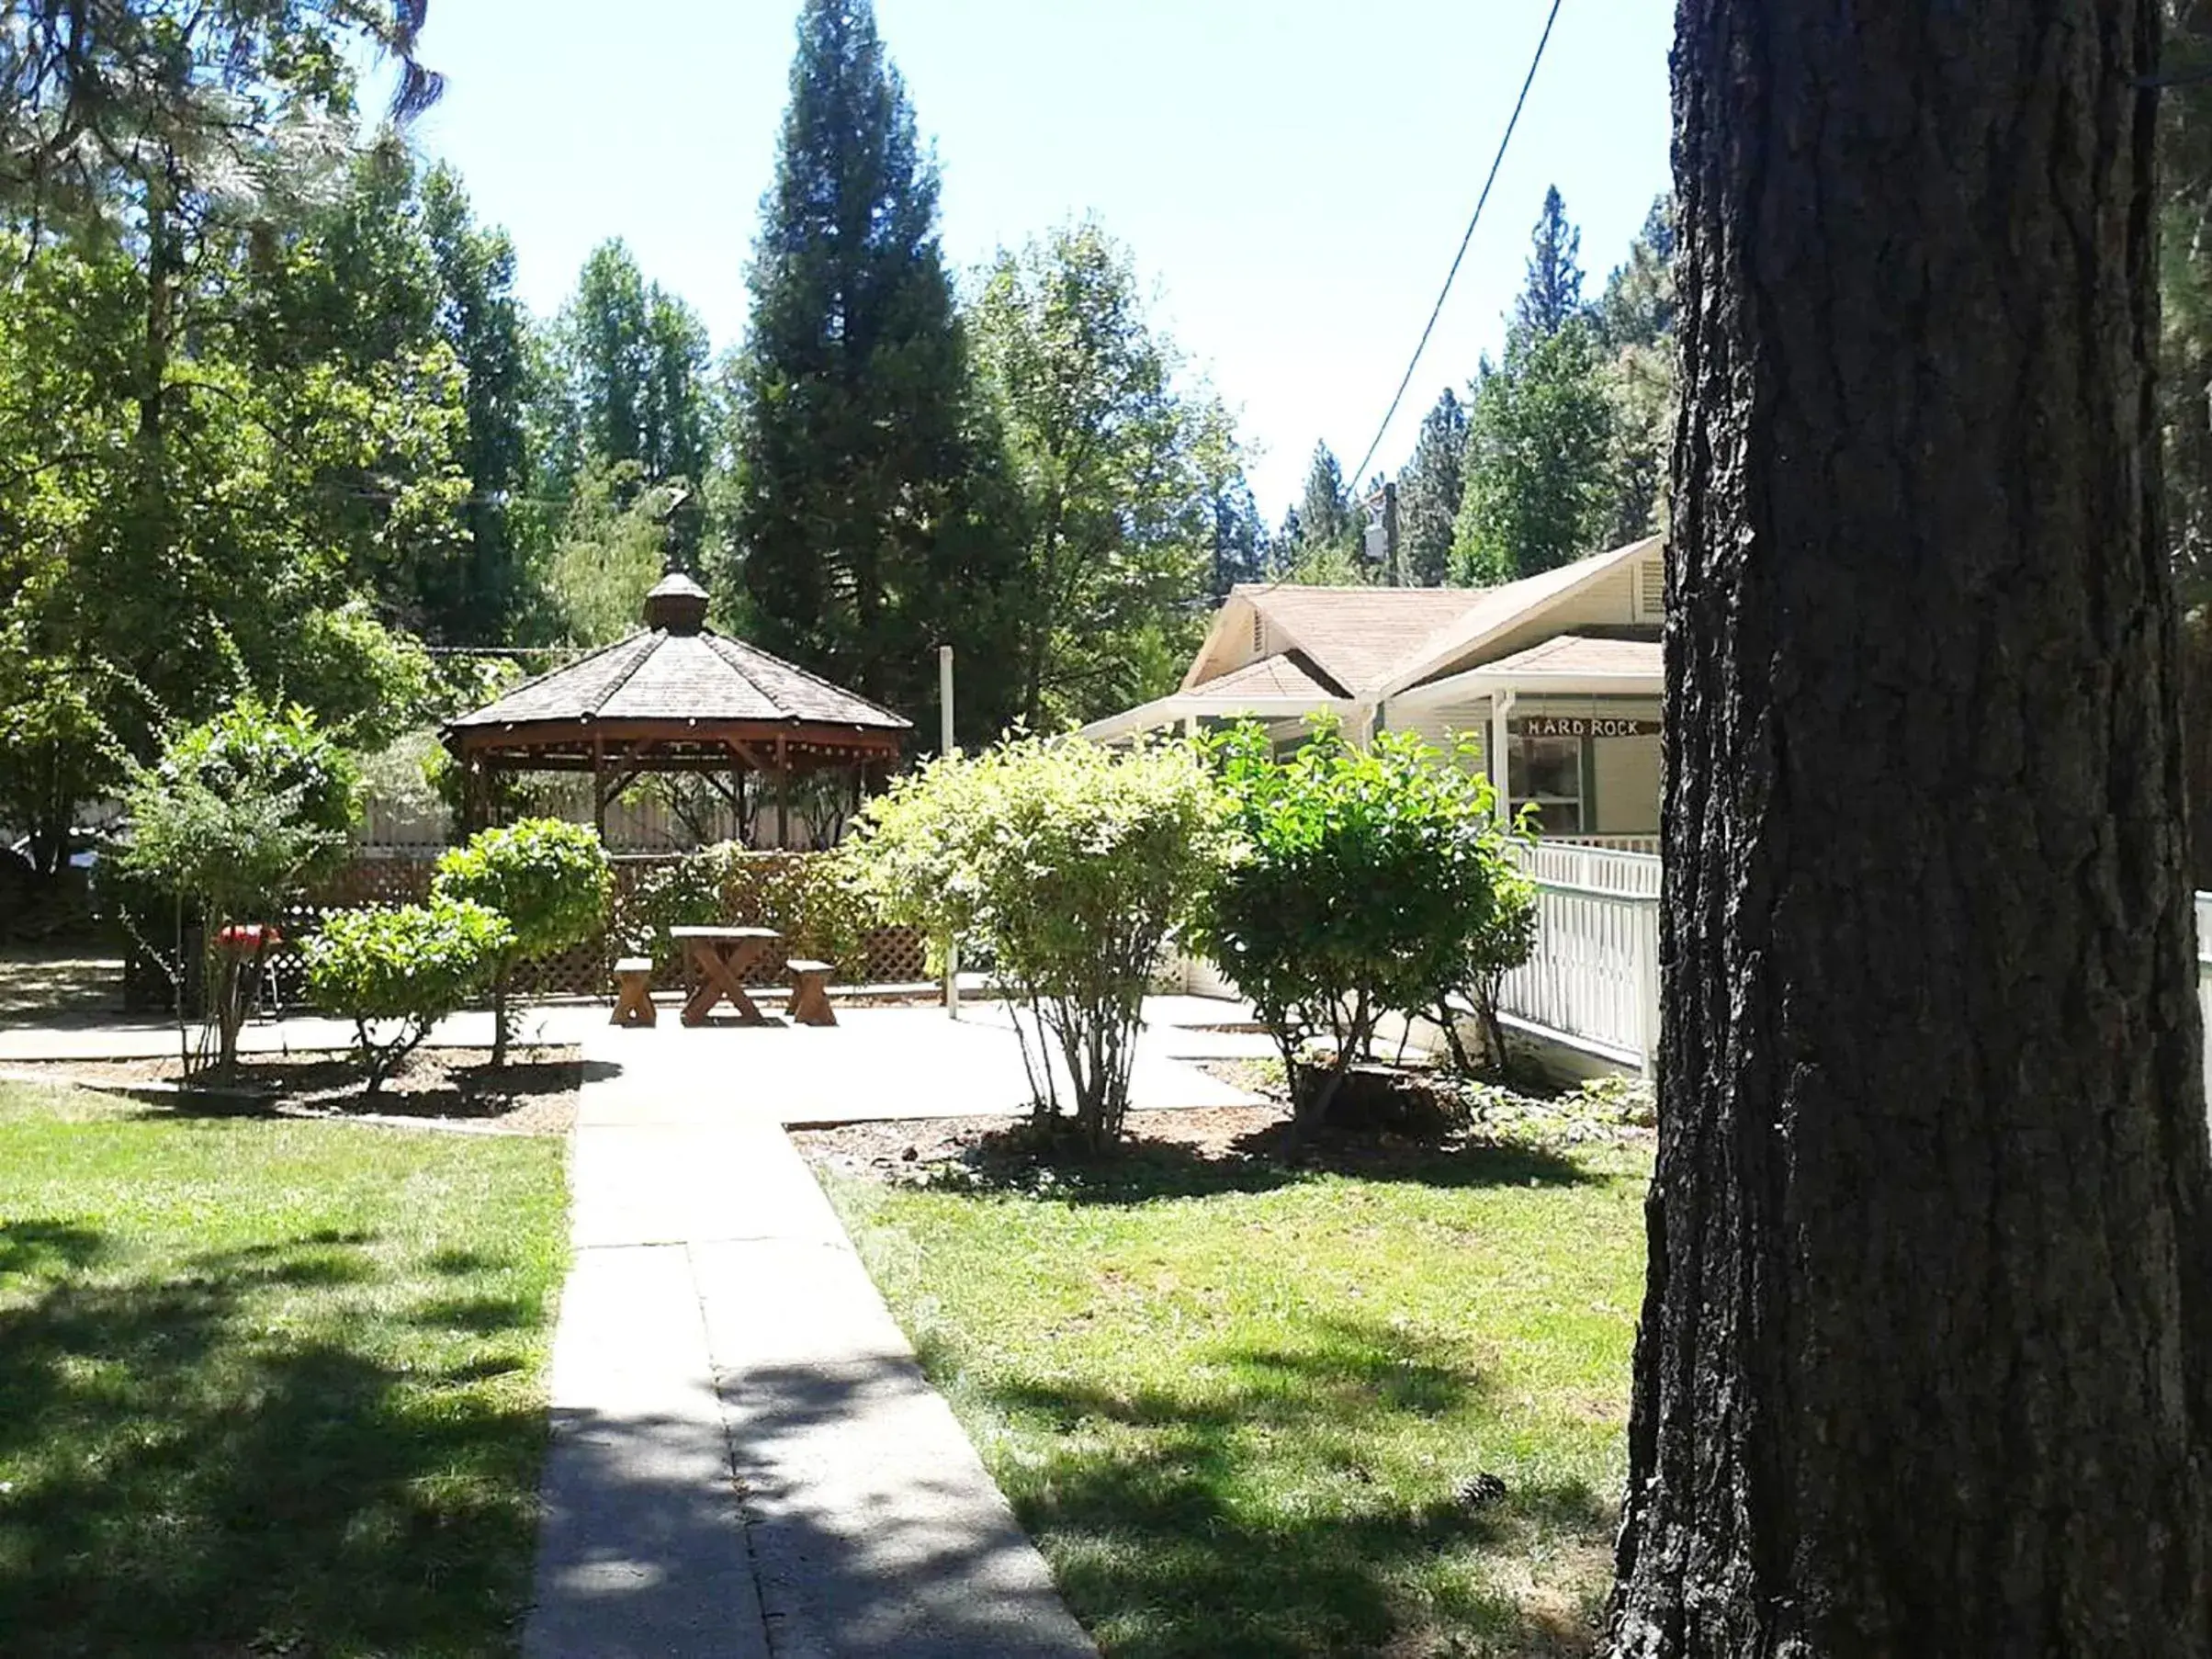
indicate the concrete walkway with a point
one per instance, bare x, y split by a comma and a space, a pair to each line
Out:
747, 1462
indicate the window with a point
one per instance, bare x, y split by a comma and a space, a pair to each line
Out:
1546, 771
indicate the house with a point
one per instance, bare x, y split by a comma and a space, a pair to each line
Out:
1558, 673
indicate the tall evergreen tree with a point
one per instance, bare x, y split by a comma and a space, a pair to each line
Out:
1539, 450
1637, 306
1634, 325
1240, 534
1325, 515
865, 522
1429, 491
1925, 1359
1551, 296
1320, 541
1539, 428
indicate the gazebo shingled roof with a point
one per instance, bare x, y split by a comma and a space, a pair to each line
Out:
675, 696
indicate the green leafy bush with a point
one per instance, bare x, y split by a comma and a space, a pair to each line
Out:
1069, 863
549, 879
812, 898
403, 970
1357, 884
1501, 941
233, 820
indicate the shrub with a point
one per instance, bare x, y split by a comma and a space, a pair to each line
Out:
406, 968
1501, 942
230, 823
549, 879
1357, 882
812, 898
1069, 863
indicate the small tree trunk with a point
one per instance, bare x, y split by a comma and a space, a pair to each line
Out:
1449, 1024
499, 1015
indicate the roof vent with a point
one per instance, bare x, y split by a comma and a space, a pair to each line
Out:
676, 605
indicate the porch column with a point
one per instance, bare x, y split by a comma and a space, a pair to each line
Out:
1499, 758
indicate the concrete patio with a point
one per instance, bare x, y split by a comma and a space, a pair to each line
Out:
877, 1062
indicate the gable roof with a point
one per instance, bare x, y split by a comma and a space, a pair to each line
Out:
1580, 657
1352, 635
1377, 641
1504, 607
1285, 674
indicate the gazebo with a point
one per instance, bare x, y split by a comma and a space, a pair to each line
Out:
675, 696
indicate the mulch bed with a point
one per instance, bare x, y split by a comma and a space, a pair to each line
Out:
535, 1094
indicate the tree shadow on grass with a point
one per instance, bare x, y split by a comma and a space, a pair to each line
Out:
1036, 1162
1170, 1536
195, 1475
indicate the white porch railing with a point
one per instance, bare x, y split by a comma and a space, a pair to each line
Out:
1612, 843
1593, 981
2204, 983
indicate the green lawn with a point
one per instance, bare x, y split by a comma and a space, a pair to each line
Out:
1242, 1409
267, 1387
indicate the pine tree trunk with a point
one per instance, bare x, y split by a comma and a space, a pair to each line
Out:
1925, 1365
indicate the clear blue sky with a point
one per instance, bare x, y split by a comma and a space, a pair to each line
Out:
1292, 175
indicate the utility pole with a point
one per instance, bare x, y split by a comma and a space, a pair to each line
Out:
947, 746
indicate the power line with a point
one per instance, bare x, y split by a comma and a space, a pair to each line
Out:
1438, 310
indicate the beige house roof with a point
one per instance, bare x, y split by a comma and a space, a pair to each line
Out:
1274, 645
1355, 636
1286, 675
1284, 686
1580, 657
1501, 608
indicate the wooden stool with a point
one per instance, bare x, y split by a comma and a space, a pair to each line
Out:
810, 992
634, 992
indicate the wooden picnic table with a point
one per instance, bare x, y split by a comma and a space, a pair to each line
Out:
715, 963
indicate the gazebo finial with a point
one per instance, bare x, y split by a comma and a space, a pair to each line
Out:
676, 605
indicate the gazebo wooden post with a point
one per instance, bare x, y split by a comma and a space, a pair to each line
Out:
472, 794
599, 789
783, 797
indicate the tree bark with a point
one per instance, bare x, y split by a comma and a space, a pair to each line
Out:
1925, 1364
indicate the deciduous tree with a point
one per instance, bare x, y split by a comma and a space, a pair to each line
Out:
1124, 476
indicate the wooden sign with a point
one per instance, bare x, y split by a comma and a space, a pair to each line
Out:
1581, 726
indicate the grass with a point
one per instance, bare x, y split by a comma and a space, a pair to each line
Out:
267, 1387
1243, 1408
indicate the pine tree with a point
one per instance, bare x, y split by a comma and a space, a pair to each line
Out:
1325, 509
1552, 295
1924, 1364
1634, 325
865, 524
1539, 428
1638, 307
1429, 491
